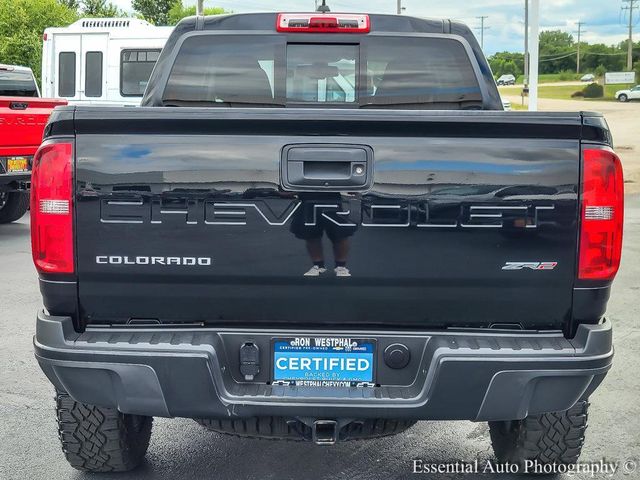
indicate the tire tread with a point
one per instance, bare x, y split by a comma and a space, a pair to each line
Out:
97, 439
16, 205
549, 438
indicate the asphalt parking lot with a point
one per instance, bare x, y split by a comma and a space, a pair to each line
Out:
180, 448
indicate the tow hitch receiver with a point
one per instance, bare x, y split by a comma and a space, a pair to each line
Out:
325, 432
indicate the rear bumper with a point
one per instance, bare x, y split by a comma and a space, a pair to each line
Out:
15, 181
452, 375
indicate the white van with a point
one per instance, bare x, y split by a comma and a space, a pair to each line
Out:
101, 60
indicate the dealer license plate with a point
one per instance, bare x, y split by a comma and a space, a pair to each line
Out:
323, 361
17, 164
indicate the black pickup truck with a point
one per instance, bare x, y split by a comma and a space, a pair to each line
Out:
323, 227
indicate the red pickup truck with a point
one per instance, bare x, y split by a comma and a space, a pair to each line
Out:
23, 117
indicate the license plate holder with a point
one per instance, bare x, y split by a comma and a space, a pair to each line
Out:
323, 361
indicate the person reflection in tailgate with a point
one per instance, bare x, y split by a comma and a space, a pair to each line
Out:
317, 215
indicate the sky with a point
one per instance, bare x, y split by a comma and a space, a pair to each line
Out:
604, 20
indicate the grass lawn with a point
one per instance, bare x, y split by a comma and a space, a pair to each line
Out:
564, 92
554, 77
518, 106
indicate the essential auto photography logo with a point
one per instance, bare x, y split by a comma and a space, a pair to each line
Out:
600, 469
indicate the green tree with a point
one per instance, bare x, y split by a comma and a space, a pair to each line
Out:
555, 40
22, 23
179, 11
599, 71
557, 51
507, 63
598, 54
154, 11
72, 4
100, 8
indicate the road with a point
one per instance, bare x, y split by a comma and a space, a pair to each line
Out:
182, 449
575, 83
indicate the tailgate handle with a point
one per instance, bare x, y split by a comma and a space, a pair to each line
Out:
327, 167
18, 105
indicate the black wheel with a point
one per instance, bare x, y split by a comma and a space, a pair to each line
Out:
550, 438
13, 205
623, 98
96, 439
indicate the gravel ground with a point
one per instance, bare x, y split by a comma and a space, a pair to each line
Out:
181, 449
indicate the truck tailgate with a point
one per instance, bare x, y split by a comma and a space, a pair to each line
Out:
468, 219
22, 120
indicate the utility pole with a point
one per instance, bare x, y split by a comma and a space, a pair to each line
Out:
534, 43
526, 43
482, 28
632, 5
399, 9
200, 7
580, 24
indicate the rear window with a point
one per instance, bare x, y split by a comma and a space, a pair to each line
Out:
378, 72
17, 84
424, 71
322, 73
210, 70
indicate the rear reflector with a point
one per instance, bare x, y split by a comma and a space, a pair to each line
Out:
323, 23
51, 208
602, 215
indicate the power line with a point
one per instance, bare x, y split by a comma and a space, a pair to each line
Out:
482, 28
630, 7
570, 54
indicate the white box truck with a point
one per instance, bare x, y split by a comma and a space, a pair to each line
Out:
101, 60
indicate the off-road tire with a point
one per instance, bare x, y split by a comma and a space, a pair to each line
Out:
96, 439
280, 428
623, 98
13, 205
550, 438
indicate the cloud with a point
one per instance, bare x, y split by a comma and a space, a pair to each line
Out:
604, 22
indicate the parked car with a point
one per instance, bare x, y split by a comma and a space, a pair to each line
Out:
506, 80
628, 94
101, 61
589, 77
17, 81
22, 119
183, 248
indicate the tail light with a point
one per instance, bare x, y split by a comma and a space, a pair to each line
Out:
321, 23
52, 208
602, 213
